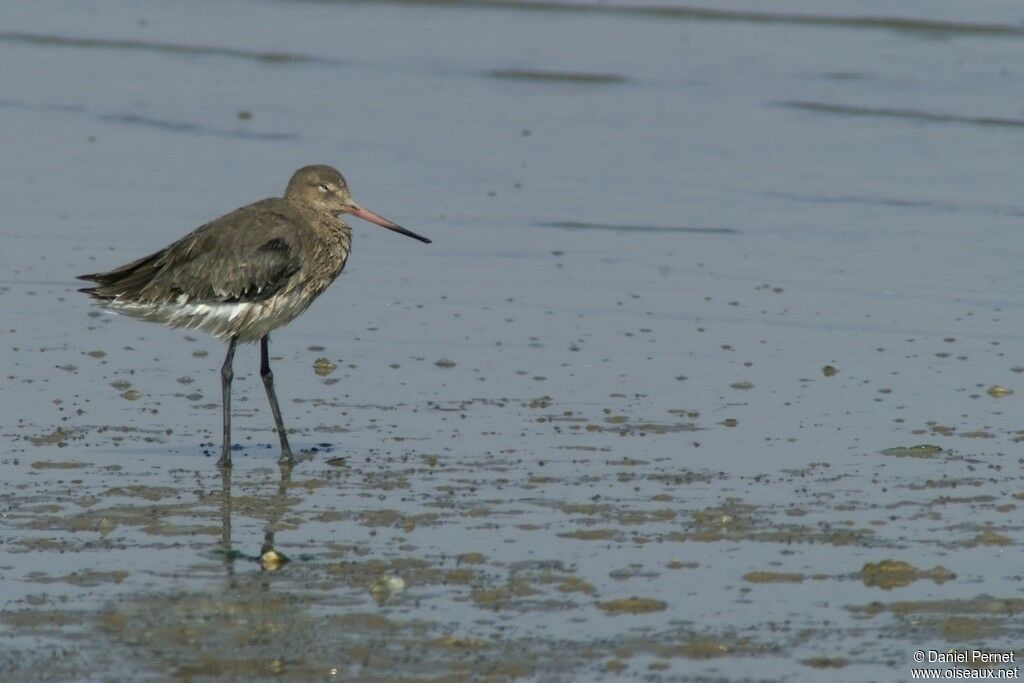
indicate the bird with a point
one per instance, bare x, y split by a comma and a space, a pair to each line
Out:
245, 274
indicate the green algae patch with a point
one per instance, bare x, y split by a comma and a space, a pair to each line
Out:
591, 534
990, 538
459, 576
645, 516
963, 628
503, 596
50, 465
615, 666
982, 604
153, 493
380, 518
36, 620
455, 642
633, 605
574, 584
889, 574
919, 451
86, 578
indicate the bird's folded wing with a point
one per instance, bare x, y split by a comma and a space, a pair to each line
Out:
247, 255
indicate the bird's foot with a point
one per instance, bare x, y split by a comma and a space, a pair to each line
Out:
286, 459
225, 460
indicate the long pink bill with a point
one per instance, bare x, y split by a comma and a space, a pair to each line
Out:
368, 215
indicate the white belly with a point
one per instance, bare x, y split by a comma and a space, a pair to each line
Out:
249, 321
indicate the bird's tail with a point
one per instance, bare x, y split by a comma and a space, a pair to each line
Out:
127, 280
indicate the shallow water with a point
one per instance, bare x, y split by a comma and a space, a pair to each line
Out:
656, 404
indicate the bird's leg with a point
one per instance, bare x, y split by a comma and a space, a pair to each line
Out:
226, 375
286, 459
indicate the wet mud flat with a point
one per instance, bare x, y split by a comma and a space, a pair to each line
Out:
712, 372
609, 552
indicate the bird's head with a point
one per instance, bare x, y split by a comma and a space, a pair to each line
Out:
325, 189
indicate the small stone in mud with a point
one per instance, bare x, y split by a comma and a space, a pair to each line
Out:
730, 422
742, 386
336, 462
245, 115
445, 363
829, 371
323, 367
997, 391
272, 560
387, 585
97, 354
132, 395
633, 605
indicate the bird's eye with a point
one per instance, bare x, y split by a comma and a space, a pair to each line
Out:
323, 188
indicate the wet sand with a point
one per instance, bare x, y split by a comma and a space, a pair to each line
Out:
711, 372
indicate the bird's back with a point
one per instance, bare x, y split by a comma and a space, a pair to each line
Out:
265, 261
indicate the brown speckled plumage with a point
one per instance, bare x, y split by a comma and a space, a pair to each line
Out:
243, 275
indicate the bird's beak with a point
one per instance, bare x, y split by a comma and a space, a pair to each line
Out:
367, 215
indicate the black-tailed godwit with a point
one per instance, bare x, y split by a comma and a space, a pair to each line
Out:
245, 274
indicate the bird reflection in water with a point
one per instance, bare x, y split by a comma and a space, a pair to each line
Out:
269, 558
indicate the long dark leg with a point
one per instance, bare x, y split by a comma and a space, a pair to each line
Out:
286, 458
226, 375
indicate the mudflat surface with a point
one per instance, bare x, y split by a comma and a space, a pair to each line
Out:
709, 373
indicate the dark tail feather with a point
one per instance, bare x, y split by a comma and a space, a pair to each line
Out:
127, 280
